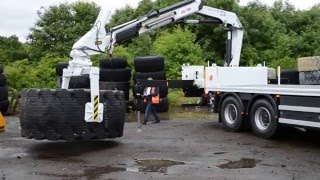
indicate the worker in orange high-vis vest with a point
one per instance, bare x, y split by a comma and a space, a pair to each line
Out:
151, 97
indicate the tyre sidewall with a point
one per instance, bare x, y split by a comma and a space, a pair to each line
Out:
271, 130
237, 125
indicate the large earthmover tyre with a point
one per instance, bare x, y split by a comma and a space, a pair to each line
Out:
115, 75
113, 63
149, 64
59, 115
160, 75
3, 80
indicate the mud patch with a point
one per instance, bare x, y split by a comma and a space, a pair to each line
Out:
243, 163
154, 165
88, 174
95, 172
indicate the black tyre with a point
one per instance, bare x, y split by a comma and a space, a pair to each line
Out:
59, 115
149, 64
4, 105
113, 63
115, 75
263, 119
121, 86
161, 75
1, 68
163, 106
231, 114
3, 80
77, 82
60, 66
4, 93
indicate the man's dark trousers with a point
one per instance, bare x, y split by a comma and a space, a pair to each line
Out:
151, 109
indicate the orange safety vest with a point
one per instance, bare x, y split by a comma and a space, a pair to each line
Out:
155, 99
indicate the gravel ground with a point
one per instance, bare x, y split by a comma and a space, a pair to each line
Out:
178, 149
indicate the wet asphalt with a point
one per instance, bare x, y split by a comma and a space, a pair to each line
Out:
176, 149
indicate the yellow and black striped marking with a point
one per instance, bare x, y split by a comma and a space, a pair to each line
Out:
96, 107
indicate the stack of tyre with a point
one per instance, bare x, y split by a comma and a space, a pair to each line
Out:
149, 67
309, 70
115, 75
4, 102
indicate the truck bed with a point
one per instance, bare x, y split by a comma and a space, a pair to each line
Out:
294, 90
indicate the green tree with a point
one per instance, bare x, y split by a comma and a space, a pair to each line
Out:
178, 47
11, 49
58, 27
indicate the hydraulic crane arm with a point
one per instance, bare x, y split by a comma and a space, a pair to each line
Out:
159, 18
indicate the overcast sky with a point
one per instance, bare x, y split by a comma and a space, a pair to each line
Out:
17, 16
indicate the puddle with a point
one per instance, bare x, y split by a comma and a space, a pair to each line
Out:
91, 173
94, 173
153, 165
149, 165
243, 163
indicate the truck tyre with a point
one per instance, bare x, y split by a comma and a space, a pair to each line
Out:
59, 115
4, 93
115, 75
3, 80
263, 119
4, 105
60, 66
1, 68
149, 64
231, 114
121, 86
113, 63
161, 75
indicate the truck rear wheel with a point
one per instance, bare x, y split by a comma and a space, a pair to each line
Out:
263, 119
59, 115
231, 114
